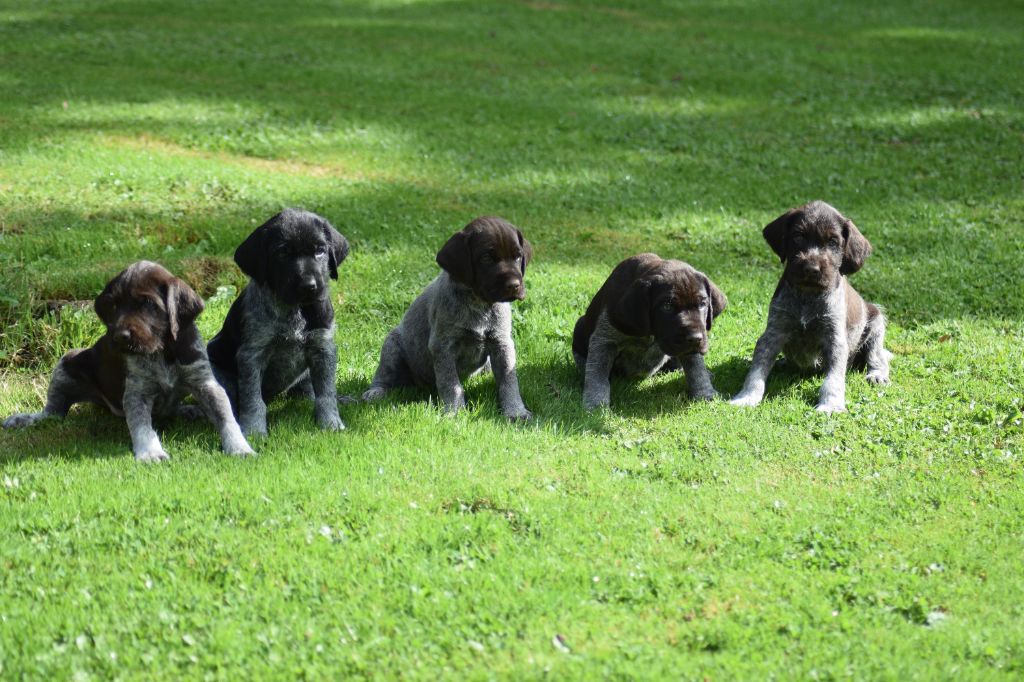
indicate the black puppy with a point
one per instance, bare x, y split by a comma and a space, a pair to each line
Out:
815, 317
279, 334
150, 357
650, 315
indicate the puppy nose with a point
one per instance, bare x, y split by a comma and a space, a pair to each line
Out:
813, 268
123, 335
308, 286
693, 335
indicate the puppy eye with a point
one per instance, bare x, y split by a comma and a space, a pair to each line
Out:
320, 252
668, 307
834, 241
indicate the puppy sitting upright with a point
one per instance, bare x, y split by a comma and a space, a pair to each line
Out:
462, 322
815, 317
150, 358
650, 315
279, 333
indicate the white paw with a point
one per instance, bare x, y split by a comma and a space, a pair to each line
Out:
876, 376
594, 405
239, 448
831, 407
374, 393
745, 400
155, 454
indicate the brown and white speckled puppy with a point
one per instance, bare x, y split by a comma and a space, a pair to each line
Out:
461, 324
650, 315
151, 357
815, 317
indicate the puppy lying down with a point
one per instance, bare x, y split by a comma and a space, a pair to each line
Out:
815, 317
149, 359
462, 322
650, 315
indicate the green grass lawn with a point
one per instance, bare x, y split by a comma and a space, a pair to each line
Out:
664, 539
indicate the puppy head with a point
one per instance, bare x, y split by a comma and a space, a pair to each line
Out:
145, 307
669, 300
293, 254
490, 256
818, 245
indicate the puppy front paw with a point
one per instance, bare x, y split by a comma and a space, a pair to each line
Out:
521, 415
151, 455
710, 394
330, 422
877, 376
594, 404
831, 407
18, 421
374, 393
253, 428
239, 448
745, 400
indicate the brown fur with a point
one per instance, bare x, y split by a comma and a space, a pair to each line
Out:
634, 295
489, 255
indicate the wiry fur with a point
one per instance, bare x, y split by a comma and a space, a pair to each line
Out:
816, 318
650, 315
279, 333
457, 326
151, 357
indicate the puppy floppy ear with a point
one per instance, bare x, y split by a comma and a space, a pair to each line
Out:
717, 300
183, 305
251, 255
456, 258
776, 231
527, 248
337, 250
856, 248
631, 313
105, 304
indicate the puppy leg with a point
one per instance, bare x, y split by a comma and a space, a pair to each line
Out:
832, 397
138, 412
698, 378
765, 352
322, 358
874, 349
446, 373
597, 388
63, 392
503, 363
392, 370
214, 401
252, 411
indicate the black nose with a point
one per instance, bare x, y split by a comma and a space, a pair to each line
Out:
123, 335
308, 286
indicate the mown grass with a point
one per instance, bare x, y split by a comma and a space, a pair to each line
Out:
665, 539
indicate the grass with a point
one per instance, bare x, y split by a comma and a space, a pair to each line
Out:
665, 539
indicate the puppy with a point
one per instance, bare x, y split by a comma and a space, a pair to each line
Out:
650, 315
279, 333
462, 322
815, 316
151, 357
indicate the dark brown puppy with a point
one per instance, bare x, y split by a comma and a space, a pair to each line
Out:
150, 357
489, 255
816, 318
461, 324
650, 314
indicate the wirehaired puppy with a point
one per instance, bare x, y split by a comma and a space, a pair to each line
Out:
150, 357
279, 333
462, 322
815, 317
650, 315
